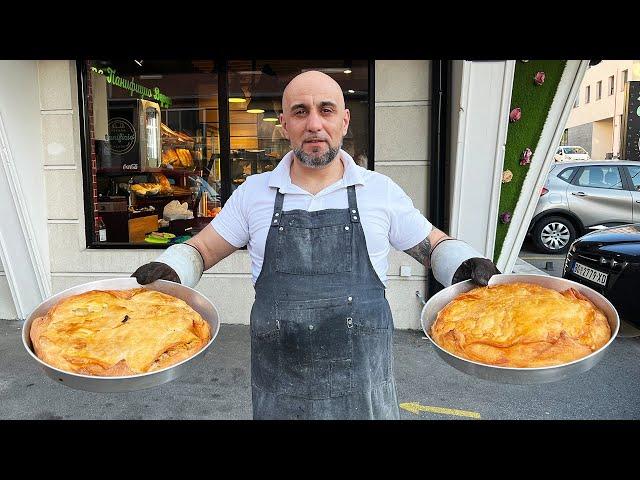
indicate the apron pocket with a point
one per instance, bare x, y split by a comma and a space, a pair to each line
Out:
314, 251
296, 367
265, 351
316, 347
341, 374
372, 343
265, 361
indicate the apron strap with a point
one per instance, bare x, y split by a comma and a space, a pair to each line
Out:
277, 209
354, 214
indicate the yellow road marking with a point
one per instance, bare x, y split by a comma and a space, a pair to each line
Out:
416, 408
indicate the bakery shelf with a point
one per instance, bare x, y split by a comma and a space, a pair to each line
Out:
121, 172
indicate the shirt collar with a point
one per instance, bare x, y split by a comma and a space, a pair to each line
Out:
281, 175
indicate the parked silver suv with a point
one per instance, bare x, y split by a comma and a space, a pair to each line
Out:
582, 196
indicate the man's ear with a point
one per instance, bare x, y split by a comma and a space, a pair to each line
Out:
284, 125
345, 121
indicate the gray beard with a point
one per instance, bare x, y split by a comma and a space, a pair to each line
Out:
312, 161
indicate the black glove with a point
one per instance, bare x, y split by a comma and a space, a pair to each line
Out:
478, 269
150, 272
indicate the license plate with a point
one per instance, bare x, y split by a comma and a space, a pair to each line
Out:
590, 273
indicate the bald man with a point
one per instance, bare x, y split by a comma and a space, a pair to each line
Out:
319, 229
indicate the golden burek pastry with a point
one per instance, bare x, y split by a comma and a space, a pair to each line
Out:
118, 332
521, 325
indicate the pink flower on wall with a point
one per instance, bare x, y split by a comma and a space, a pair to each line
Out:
539, 78
505, 217
526, 156
515, 114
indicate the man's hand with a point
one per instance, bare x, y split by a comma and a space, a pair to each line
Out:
478, 269
150, 272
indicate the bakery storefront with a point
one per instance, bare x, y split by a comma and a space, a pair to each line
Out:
161, 157
116, 160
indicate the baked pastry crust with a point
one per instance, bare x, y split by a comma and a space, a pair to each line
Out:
143, 189
118, 332
521, 325
165, 185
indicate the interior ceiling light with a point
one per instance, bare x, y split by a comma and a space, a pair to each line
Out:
236, 95
261, 94
324, 70
270, 116
255, 109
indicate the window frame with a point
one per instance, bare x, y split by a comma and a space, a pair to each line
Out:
625, 79
623, 180
587, 94
612, 85
573, 169
629, 178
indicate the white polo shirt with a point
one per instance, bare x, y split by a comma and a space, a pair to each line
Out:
387, 214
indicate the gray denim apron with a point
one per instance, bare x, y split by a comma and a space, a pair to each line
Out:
321, 327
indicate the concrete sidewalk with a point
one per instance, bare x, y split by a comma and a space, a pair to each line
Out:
219, 387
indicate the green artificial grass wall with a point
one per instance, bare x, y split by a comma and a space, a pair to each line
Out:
534, 102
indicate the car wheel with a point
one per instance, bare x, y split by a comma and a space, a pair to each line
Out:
553, 235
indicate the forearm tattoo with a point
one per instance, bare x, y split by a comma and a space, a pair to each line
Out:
421, 252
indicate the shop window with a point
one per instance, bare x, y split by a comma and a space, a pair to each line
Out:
256, 138
159, 164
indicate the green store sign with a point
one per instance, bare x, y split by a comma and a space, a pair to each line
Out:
133, 87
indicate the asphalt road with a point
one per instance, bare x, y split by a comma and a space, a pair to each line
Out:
550, 264
219, 387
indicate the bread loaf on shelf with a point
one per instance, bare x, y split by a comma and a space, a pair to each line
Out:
145, 189
165, 186
186, 160
170, 157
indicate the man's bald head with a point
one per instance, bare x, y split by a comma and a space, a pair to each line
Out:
312, 83
314, 118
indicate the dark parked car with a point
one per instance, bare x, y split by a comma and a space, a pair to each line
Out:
609, 262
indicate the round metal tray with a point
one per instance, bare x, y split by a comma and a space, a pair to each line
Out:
195, 299
516, 375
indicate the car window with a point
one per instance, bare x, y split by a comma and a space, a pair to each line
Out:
635, 177
600, 177
566, 174
559, 152
574, 150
